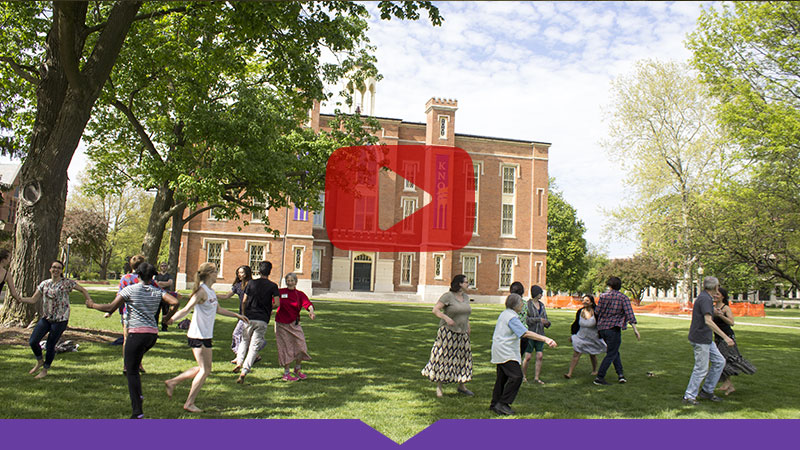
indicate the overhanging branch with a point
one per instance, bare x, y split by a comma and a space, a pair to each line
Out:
26, 72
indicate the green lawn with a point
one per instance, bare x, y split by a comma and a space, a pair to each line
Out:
367, 361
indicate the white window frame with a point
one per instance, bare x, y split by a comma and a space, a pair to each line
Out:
408, 226
444, 125
212, 218
503, 219
321, 252
223, 248
249, 244
265, 212
477, 167
477, 258
302, 249
539, 266
513, 261
540, 201
410, 176
403, 258
441, 258
503, 168
319, 216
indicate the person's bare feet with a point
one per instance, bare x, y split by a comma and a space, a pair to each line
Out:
439, 392
41, 375
240, 379
730, 390
594, 373
170, 387
192, 408
38, 366
237, 369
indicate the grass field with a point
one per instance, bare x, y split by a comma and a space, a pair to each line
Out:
367, 361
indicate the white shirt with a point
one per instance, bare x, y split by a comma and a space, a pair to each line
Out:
202, 326
505, 342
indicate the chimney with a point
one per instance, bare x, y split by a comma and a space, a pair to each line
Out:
440, 124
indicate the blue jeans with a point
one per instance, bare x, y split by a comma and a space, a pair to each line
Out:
613, 338
44, 326
702, 354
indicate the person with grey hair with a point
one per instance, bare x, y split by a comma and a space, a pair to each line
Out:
506, 355
701, 333
289, 336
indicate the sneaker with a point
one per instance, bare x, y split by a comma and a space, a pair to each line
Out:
300, 375
600, 381
466, 392
503, 409
708, 396
289, 377
622, 380
690, 401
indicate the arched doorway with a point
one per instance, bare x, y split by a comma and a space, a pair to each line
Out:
362, 272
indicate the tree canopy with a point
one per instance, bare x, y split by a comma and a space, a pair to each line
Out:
637, 274
566, 246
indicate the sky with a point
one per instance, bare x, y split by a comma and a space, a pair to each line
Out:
537, 71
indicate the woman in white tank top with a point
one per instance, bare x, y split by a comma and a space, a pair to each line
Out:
201, 331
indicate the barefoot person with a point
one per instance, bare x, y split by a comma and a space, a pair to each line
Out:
260, 297
735, 363
205, 305
585, 338
142, 300
451, 355
5, 275
505, 354
54, 294
289, 334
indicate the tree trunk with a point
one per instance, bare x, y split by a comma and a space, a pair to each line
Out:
62, 111
175, 241
159, 216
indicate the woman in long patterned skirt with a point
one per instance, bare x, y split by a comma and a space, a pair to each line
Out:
451, 355
734, 361
289, 336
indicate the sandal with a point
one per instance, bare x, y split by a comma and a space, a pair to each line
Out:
538, 381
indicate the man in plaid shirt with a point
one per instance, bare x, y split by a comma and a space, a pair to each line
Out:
613, 313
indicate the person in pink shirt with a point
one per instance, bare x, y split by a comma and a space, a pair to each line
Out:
289, 334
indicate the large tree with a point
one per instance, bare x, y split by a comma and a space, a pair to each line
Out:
747, 53
637, 274
566, 246
55, 61
663, 133
225, 124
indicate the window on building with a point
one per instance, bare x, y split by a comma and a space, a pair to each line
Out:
256, 255
316, 264
409, 177
471, 223
319, 216
214, 254
438, 266
540, 201
298, 258
409, 207
211, 215
509, 174
443, 127
365, 214
538, 272
470, 269
300, 214
506, 271
259, 212
507, 226
405, 268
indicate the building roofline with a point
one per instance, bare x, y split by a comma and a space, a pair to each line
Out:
471, 136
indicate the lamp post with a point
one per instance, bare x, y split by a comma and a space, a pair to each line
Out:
66, 263
699, 279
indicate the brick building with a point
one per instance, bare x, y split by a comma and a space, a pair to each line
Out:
509, 239
9, 185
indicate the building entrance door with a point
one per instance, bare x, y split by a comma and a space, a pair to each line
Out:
362, 272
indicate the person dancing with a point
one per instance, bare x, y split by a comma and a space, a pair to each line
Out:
54, 294
260, 296
585, 338
735, 363
289, 334
142, 300
201, 331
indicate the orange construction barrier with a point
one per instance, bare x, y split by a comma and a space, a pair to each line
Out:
669, 308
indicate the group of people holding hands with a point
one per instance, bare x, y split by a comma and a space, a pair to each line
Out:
141, 299
597, 328
518, 334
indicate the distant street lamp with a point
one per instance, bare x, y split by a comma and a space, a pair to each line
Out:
66, 263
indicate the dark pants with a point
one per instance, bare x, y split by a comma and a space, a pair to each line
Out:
44, 326
613, 338
507, 384
167, 310
135, 347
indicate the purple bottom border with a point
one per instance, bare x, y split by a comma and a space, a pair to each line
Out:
353, 434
